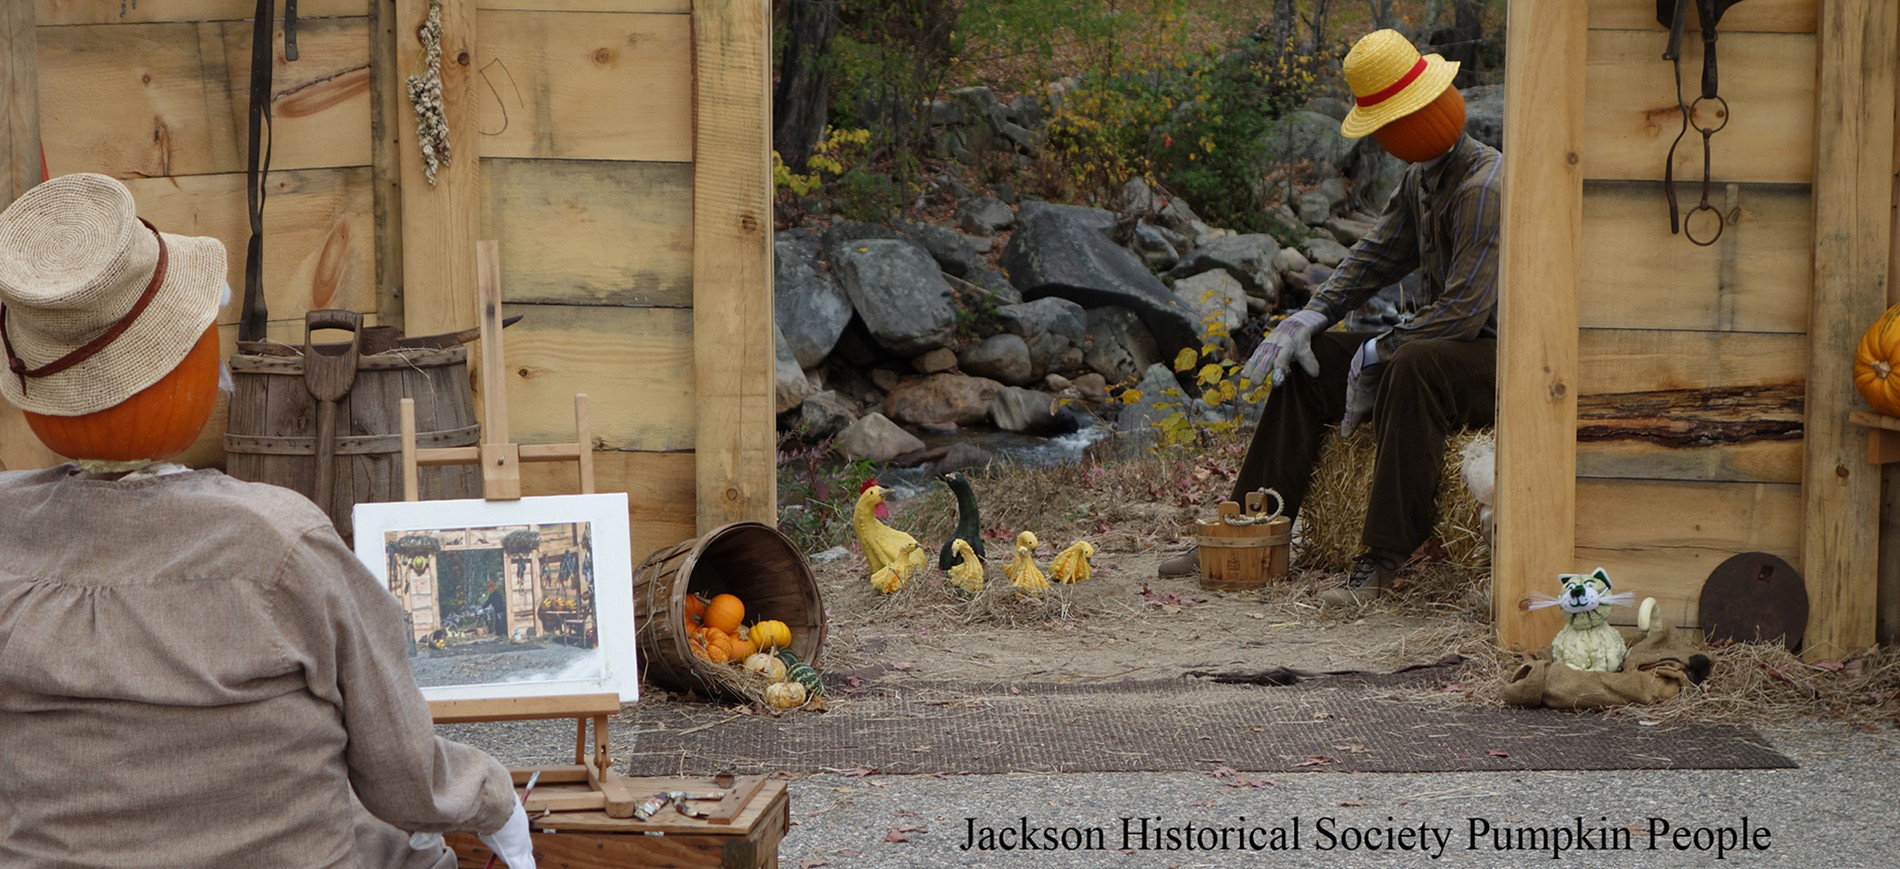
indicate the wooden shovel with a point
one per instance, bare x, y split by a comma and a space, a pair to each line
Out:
329, 378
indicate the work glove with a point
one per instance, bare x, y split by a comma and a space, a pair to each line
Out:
511, 841
1291, 340
1362, 386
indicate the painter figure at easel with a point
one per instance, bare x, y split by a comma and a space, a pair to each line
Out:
194, 671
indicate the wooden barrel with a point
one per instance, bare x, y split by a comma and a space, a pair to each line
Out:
271, 436
750, 560
1243, 557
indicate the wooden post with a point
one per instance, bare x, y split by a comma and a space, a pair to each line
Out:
1853, 201
19, 101
501, 457
1541, 261
439, 223
735, 447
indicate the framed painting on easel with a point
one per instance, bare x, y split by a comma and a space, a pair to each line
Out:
510, 599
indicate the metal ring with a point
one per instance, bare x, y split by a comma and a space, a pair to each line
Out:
1706, 130
1720, 224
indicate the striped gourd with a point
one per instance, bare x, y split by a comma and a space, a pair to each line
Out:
801, 672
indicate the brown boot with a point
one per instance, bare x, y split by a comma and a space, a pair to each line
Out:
1186, 564
1371, 576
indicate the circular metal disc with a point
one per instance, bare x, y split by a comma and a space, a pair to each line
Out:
1754, 597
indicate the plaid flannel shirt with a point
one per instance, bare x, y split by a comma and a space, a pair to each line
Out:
1443, 221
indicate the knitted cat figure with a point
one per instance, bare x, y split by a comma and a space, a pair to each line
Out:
1587, 641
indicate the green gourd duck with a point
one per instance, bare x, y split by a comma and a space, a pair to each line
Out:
969, 522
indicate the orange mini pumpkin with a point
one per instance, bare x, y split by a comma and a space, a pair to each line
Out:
725, 612
157, 422
1875, 361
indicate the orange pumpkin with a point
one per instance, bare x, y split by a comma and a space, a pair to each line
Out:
1427, 133
1875, 360
742, 648
694, 607
157, 422
725, 612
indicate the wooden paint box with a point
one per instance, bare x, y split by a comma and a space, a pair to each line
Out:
592, 840
1244, 556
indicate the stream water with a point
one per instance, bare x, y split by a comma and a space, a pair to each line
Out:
1020, 449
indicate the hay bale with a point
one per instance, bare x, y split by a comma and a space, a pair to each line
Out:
1335, 510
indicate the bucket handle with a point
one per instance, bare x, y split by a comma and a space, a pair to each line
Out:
1256, 502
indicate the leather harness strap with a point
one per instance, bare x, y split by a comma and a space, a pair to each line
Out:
254, 315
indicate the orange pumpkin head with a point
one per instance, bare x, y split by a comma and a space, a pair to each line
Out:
1427, 133
157, 422
1876, 361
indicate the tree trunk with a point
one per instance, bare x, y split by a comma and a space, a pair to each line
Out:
1285, 24
801, 107
1469, 22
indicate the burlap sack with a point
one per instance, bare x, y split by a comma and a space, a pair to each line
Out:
1659, 666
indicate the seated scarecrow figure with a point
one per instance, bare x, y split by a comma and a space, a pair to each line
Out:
194, 671
1417, 382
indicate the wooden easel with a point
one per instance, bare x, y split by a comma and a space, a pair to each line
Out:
500, 461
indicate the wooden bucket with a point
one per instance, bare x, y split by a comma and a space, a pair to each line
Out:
1244, 557
751, 560
271, 436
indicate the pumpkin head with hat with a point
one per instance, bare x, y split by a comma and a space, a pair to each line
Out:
109, 326
1401, 98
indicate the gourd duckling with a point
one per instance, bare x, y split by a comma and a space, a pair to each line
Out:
881, 543
909, 562
969, 522
1022, 571
967, 573
1073, 564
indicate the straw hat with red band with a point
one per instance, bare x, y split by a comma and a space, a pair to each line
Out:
96, 304
1389, 80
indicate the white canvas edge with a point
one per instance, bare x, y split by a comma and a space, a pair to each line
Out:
613, 576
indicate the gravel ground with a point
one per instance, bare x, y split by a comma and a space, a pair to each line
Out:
502, 661
1838, 809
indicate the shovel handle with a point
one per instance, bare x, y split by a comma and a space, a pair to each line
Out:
328, 375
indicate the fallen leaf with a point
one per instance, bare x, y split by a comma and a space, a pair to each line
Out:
1514, 820
1316, 760
921, 748
1256, 615
1224, 771
845, 789
901, 666
907, 813
1496, 753
895, 836
812, 864
1834, 666
848, 852
1202, 804
1015, 690
858, 772
877, 784
1351, 803
1455, 687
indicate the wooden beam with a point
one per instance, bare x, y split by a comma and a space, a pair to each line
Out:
388, 109
1853, 177
735, 445
1541, 259
440, 223
19, 101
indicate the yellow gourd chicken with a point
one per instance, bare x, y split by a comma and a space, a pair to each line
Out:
967, 573
1073, 564
1022, 570
909, 562
881, 543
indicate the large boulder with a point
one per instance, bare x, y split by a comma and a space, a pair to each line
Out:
1123, 347
824, 414
1484, 114
810, 308
876, 438
956, 253
792, 387
942, 398
899, 293
839, 235
1061, 251
1323, 251
1216, 294
984, 215
1145, 412
1002, 357
1253, 259
1055, 330
1311, 137
1031, 411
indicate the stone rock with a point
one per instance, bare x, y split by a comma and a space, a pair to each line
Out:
1055, 330
838, 236
918, 457
1253, 259
1094, 388
1137, 197
876, 438
1004, 192
955, 252
1314, 208
1154, 248
1216, 294
1123, 346
899, 293
1056, 382
1334, 189
940, 359
1349, 230
1484, 114
824, 414
963, 456
938, 428
1323, 251
1294, 261
1002, 357
995, 284
1029, 411
957, 398
792, 387
1300, 287
1315, 138
884, 378
984, 215
1057, 252
1375, 178
1143, 414
1331, 107
832, 555
811, 310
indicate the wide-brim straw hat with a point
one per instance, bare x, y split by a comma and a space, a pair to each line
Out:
1389, 80
88, 319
